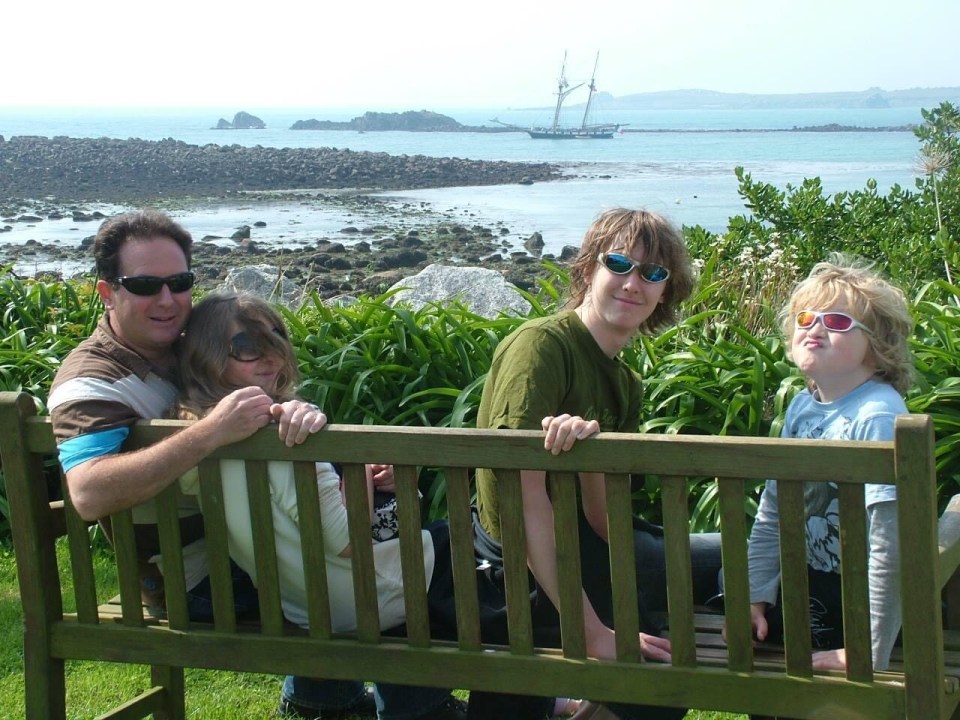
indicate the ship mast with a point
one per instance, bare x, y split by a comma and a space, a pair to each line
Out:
593, 89
563, 90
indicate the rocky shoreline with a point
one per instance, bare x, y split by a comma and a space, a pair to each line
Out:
43, 179
111, 170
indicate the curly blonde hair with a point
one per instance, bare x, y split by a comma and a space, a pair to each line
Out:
660, 241
203, 350
872, 300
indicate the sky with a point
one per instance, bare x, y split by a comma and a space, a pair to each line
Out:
443, 54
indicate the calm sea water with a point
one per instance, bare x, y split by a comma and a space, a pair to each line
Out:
683, 173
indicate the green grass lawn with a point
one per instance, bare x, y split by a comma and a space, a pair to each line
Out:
94, 688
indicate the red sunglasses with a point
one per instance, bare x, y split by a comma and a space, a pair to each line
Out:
832, 321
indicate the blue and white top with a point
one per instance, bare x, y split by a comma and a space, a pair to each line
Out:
866, 413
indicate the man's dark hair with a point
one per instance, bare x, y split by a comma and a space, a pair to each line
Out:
136, 225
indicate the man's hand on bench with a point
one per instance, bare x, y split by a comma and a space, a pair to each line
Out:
602, 644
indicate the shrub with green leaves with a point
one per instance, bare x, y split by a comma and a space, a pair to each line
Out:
40, 324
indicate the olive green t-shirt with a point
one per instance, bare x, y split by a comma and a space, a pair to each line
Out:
551, 366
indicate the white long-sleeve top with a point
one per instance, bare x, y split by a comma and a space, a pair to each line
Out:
336, 537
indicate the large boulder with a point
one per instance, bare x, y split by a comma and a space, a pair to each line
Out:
484, 291
265, 281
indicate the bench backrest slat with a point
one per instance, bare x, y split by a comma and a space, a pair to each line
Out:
81, 561
563, 494
736, 586
623, 575
264, 543
411, 552
513, 538
361, 554
218, 550
123, 537
855, 583
463, 557
794, 584
168, 526
312, 552
676, 518
917, 511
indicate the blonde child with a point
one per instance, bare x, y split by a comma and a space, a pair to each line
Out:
847, 330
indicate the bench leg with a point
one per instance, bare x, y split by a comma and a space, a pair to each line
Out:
170, 678
46, 689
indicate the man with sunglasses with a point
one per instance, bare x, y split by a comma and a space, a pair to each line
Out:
124, 372
563, 374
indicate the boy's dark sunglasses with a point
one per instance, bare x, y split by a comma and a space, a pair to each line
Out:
832, 321
246, 348
622, 265
152, 285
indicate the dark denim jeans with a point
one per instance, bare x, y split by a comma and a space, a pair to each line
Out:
310, 693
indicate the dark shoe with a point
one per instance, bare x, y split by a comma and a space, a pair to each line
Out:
365, 707
450, 709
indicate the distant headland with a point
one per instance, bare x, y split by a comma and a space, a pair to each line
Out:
409, 121
241, 121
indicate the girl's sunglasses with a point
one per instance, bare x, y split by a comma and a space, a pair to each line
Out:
244, 347
622, 265
832, 321
152, 285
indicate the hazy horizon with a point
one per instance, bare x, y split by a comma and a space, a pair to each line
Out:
574, 101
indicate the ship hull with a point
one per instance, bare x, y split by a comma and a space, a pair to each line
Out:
570, 134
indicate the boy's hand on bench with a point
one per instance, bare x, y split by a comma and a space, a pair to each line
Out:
603, 646
564, 430
758, 620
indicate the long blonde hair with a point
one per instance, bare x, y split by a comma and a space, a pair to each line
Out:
203, 351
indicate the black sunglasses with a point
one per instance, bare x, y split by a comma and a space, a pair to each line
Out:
245, 347
151, 284
622, 265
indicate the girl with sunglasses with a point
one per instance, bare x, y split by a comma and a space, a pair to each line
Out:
847, 331
564, 374
237, 340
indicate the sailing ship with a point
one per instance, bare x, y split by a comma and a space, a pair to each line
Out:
585, 131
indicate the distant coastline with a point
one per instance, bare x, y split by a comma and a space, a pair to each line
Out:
428, 121
830, 128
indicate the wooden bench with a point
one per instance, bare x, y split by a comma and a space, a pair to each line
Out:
705, 673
